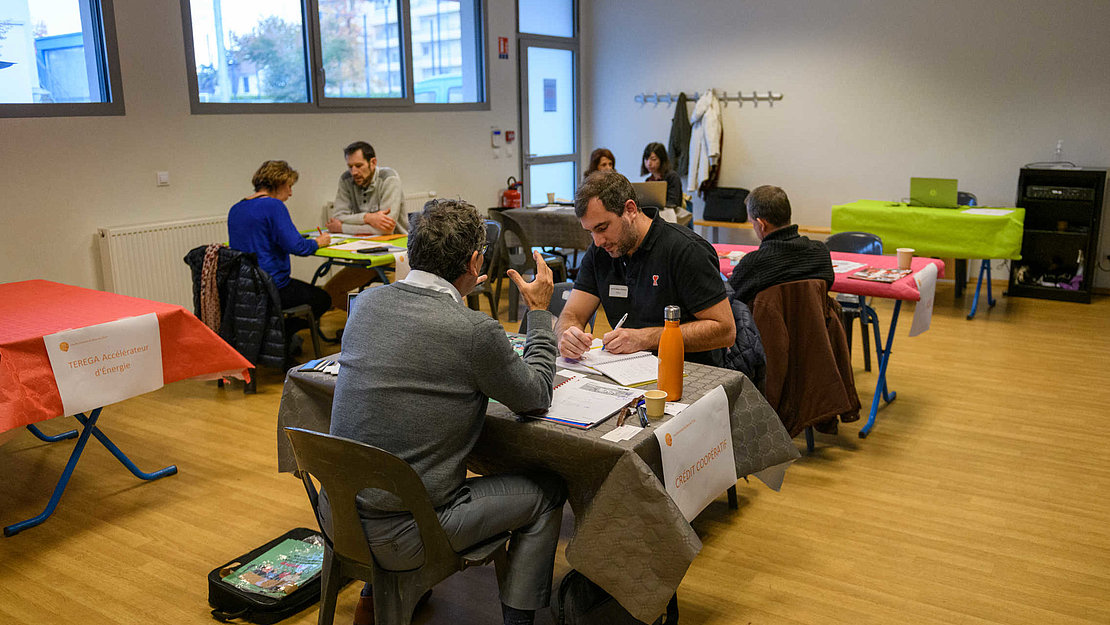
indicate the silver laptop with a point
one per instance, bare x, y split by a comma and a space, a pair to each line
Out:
651, 193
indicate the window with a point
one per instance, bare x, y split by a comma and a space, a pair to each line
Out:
306, 55
58, 58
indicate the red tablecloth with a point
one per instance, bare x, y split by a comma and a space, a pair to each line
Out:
29, 310
904, 289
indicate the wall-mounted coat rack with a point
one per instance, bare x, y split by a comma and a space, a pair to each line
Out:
740, 98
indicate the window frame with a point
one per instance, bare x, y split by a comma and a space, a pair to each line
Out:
314, 67
103, 18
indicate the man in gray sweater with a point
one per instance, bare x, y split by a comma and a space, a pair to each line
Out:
418, 369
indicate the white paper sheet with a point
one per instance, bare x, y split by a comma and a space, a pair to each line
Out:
926, 280
696, 450
846, 266
105, 363
625, 369
622, 433
996, 212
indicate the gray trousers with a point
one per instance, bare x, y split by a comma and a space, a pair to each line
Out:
529, 507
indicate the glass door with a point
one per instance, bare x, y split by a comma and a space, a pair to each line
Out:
549, 117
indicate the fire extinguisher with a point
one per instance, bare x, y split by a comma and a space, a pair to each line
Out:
510, 197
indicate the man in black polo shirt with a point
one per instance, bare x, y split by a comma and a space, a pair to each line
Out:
783, 255
638, 265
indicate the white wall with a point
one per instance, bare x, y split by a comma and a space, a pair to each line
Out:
62, 178
875, 91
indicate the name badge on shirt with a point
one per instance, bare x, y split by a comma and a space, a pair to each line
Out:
618, 290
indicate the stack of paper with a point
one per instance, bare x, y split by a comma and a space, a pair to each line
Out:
583, 403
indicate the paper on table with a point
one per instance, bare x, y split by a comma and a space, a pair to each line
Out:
996, 212
622, 433
584, 402
673, 408
846, 266
354, 246
926, 280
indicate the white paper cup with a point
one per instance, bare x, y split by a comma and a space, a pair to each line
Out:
905, 256
550, 198
656, 401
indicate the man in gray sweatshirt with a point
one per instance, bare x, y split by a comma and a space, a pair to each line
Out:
417, 370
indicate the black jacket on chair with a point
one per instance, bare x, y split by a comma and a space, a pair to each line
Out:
250, 307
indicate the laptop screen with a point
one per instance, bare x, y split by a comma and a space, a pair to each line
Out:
935, 192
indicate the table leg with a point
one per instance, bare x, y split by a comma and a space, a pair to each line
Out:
880, 384
959, 274
88, 428
984, 269
51, 439
321, 271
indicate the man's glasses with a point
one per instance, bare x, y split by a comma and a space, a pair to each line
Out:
482, 250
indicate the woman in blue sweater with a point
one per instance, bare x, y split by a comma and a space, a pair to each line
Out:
260, 224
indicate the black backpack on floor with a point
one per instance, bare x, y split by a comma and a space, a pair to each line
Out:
582, 602
230, 602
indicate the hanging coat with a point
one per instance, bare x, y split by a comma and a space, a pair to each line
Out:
705, 138
678, 146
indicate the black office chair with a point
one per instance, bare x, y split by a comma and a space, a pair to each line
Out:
489, 268
344, 468
856, 306
963, 198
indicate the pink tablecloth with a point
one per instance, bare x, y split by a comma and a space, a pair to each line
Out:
29, 310
904, 289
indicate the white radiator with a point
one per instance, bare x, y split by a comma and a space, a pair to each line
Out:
147, 260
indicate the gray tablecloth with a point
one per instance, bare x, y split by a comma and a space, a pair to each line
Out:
550, 227
629, 536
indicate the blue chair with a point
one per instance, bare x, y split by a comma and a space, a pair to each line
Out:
854, 306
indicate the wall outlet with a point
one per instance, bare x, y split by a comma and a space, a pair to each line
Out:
162, 178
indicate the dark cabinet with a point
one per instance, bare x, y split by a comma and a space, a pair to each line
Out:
1059, 248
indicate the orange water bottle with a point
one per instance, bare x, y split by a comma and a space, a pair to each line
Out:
671, 355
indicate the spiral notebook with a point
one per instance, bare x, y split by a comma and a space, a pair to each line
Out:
583, 403
625, 369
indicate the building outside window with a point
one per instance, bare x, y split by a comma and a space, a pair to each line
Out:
58, 57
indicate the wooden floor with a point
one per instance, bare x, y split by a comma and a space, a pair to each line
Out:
980, 497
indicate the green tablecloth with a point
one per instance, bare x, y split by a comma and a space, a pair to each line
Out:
368, 260
940, 232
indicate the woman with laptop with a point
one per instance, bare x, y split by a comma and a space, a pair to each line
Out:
658, 168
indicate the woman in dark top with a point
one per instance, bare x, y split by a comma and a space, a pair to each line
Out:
657, 167
601, 159
260, 224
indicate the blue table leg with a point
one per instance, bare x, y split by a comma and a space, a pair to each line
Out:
51, 439
88, 428
880, 384
984, 269
90, 423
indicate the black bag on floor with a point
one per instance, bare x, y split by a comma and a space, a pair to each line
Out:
281, 591
726, 204
582, 602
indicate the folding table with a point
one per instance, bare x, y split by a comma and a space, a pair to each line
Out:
942, 232
904, 289
29, 393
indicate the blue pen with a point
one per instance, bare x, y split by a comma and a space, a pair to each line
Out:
641, 410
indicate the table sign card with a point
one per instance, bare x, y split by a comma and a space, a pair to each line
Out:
696, 449
926, 280
105, 363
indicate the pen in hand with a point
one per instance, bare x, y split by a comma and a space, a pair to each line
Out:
619, 324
